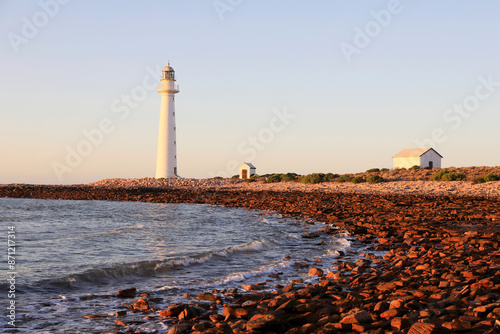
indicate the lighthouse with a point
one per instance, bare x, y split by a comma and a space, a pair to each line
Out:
166, 164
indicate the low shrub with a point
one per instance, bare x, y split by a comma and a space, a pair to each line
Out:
445, 175
289, 177
439, 175
344, 178
454, 177
486, 178
384, 170
373, 170
331, 176
313, 178
217, 178
273, 178
357, 179
415, 167
375, 179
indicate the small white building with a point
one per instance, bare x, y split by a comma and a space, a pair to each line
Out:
246, 171
422, 157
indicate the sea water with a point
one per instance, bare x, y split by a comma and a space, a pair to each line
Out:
72, 256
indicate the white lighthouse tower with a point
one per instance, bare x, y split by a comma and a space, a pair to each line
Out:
166, 164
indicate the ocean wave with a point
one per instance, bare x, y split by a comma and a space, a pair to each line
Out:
259, 272
149, 268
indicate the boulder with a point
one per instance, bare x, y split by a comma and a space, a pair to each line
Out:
359, 317
141, 304
313, 271
127, 293
264, 322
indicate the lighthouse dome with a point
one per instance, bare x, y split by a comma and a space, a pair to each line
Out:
168, 68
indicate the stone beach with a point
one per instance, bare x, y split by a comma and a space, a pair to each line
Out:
440, 272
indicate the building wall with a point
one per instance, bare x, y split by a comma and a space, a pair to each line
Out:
430, 156
249, 170
406, 162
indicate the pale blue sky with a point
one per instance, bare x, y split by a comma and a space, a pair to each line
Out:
236, 66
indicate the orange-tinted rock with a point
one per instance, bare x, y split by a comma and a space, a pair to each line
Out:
262, 322
315, 272
359, 317
389, 314
141, 304
425, 328
127, 292
173, 310
458, 325
386, 286
399, 323
207, 296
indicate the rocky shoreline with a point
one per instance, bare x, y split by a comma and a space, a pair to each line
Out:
441, 272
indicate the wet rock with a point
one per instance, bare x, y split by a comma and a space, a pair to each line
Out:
127, 293
173, 310
207, 296
96, 316
188, 313
313, 271
310, 235
230, 311
141, 304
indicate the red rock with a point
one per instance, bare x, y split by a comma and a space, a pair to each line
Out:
359, 317
396, 304
361, 328
96, 316
188, 313
389, 314
262, 322
308, 328
381, 306
141, 304
311, 235
229, 311
120, 323
384, 241
425, 328
424, 266
173, 310
315, 272
127, 292
386, 286
252, 287
458, 325
486, 308
399, 323
207, 296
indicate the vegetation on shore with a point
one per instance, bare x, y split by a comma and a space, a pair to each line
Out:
379, 175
